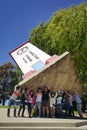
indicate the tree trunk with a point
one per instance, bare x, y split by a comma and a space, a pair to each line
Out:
3, 100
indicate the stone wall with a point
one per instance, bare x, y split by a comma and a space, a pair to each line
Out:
60, 75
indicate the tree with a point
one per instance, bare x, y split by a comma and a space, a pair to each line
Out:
66, 30
8, 79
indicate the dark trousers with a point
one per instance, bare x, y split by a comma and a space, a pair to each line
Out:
29, 108
67, 110
22, 106
59, 110
71, 113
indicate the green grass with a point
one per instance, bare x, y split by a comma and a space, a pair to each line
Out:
3, 107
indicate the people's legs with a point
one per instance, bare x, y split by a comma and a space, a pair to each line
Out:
36, 109
39, 108
47, 111
43, 109
23, 110
21, 106
71, 113
8, 110
29, 109
65, 109
53, 111
68, 110
15, 105
59, 106
79, 107
32, 111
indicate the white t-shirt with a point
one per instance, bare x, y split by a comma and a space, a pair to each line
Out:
38, 97
15, 95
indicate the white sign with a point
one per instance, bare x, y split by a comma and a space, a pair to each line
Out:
28, 57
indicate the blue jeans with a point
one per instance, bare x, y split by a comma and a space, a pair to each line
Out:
79, 107
67, 110
10, 103
59, 109
38, 109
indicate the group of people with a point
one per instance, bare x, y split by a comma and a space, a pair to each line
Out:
44, 103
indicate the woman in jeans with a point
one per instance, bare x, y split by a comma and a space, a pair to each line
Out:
59, 105
30, 101
38, 102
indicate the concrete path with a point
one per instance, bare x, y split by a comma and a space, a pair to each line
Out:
39, 123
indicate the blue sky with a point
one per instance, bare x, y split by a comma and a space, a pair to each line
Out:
18, 17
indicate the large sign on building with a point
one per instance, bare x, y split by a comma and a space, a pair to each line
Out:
28, 57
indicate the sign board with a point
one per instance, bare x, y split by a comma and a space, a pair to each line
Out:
28, 57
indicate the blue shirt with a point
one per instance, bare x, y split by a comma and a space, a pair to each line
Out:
77, 98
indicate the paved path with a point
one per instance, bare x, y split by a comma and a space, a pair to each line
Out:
75, 123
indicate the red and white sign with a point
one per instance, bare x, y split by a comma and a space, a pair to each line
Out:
28, 57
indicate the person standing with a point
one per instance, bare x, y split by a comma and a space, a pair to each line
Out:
71, 99
30, 102
52, 96
12, 101
70, 103
78, 104
22, 103
45, 102
38, 102
59, 105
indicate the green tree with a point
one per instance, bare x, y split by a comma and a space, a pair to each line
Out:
9, 77
66, 30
